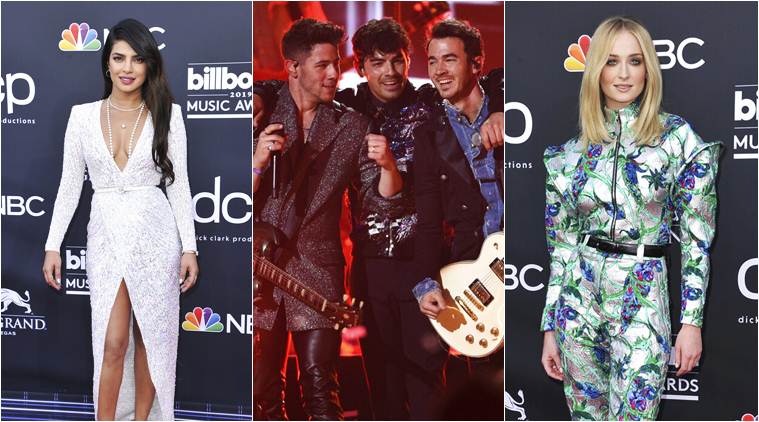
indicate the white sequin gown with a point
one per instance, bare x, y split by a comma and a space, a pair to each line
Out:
135, 234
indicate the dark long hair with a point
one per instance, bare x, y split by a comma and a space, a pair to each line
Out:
155, 90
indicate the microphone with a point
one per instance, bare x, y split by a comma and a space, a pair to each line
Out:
275, 166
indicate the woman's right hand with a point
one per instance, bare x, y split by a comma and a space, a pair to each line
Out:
51, 269
268, 142
551, 360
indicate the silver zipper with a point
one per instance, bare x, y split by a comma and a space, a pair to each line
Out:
614, 180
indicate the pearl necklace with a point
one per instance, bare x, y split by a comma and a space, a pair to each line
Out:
124, 109
134, 129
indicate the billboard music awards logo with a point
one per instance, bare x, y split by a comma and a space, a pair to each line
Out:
219, 90
670, 55
17, 315
205, 320
79, 37
74, 275
745, 116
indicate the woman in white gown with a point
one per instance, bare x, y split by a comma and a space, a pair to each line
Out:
140, 246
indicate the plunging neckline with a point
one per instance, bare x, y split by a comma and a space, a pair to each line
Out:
104, 141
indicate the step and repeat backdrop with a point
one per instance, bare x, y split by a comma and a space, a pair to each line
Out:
708, 55
46, 341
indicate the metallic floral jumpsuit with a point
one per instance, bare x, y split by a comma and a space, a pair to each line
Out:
610, 311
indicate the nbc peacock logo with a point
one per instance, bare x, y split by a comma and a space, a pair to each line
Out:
79, 37
577, 53
202, 320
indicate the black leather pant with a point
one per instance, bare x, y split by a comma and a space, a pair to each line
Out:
318, 352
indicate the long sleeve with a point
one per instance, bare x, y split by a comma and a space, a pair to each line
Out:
429, 239
561, 230
70, 188
367, 184
695, 200
178, 192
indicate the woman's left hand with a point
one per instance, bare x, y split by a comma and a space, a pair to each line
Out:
188, 271
687, 348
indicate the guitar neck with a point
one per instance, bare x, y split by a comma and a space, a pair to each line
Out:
291, 286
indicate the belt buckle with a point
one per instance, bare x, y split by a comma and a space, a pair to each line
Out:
640, 253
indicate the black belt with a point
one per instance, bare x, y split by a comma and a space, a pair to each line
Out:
651, 251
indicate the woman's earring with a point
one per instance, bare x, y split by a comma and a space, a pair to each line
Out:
108, 72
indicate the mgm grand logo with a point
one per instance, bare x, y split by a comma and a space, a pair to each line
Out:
16, 314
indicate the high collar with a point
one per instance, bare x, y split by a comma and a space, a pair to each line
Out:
625, 116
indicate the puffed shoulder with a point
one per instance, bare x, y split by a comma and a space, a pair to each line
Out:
556, 158
680, 140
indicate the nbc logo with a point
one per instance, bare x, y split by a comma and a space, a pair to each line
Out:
203, 320
79, 37
577, 53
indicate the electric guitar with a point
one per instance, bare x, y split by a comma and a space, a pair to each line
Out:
266, 275
474, 291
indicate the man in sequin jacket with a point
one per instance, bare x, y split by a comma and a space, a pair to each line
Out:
323, 151
402, 354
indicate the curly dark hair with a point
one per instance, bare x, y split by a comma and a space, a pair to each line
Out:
384, 35
462, 30
305, 33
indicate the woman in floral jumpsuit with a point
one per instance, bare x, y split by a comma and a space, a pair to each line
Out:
613, 194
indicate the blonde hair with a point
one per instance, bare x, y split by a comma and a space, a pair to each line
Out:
647, 126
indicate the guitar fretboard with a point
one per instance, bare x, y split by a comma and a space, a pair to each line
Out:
272, 273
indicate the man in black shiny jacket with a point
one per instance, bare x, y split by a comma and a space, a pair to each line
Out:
404, 357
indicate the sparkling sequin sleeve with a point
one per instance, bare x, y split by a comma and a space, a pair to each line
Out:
72, 178
369, 175
178, 192
694, 196
561, 228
